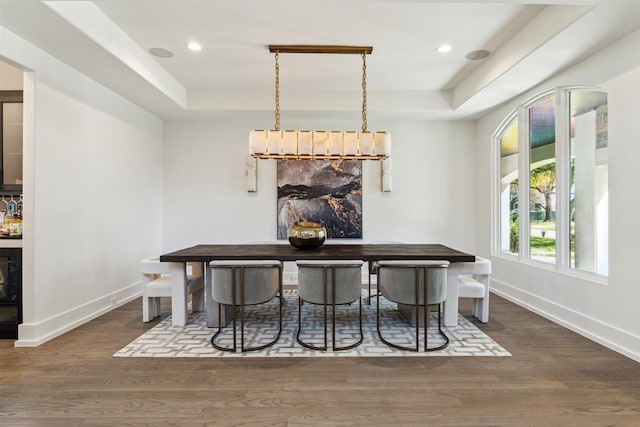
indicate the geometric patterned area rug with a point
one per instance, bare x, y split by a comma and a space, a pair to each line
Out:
261, 325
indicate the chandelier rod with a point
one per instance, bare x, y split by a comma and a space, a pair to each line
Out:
277, 125
330, 49
364, 92
327, 49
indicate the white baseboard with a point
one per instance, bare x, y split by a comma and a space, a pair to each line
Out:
35, 334
607, 335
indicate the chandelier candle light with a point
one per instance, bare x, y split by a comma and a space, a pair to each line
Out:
306, 144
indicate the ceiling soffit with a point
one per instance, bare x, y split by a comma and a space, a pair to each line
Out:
84, 36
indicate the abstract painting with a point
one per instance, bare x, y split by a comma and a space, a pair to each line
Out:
328, 192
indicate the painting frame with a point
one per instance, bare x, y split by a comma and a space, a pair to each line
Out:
328, 192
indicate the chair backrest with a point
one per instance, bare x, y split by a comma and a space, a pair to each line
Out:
348, 280
261, 280
480, 266
154, 266
397, 281
373, 266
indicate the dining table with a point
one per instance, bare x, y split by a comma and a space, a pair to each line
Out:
460, 263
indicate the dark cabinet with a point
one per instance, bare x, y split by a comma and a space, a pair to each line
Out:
10, 291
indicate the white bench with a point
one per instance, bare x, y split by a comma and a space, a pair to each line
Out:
476, 285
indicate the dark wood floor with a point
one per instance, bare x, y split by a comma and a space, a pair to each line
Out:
555, 378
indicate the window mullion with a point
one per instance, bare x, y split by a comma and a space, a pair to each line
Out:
563, 184
523, 178
496, 247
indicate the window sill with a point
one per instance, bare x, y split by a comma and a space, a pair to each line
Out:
577, 274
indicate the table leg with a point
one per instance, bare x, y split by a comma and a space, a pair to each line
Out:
178, 293
451, 303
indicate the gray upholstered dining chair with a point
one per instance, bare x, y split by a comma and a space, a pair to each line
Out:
240, 283
419, 285
329, 283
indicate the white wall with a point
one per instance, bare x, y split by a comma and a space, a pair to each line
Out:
432, 199
10, 77
93, 191
605, 312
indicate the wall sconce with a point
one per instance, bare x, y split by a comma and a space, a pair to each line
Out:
251, 174
385, 173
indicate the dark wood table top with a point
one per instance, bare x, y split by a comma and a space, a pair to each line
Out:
286, 252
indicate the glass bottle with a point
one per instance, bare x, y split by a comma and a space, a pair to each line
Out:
8, 220
17, 222
14, 223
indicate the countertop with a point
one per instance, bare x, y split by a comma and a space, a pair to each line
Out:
10, 242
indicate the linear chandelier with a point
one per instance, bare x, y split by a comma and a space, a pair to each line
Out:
322, 144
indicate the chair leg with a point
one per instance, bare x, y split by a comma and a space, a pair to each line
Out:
242, 310
325, 309
243, 348
474, 307
333, 325
389, 343
233, 317
148, 308
377, 294
369, 294
417, 308
333, 309
417, 318
242, 317
221, 328
446, 338
425, 313
270, 343
300, 341
481, 309
359, 341
333, 318
300, 301
157, 306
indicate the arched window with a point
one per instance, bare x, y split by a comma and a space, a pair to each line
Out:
552, 181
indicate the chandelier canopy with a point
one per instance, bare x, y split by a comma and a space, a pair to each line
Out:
307, 144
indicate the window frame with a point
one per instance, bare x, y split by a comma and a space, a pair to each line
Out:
496, 195
520, 113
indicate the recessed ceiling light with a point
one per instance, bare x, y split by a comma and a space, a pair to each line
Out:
444, 48
194, 46
160, 52
477, 55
